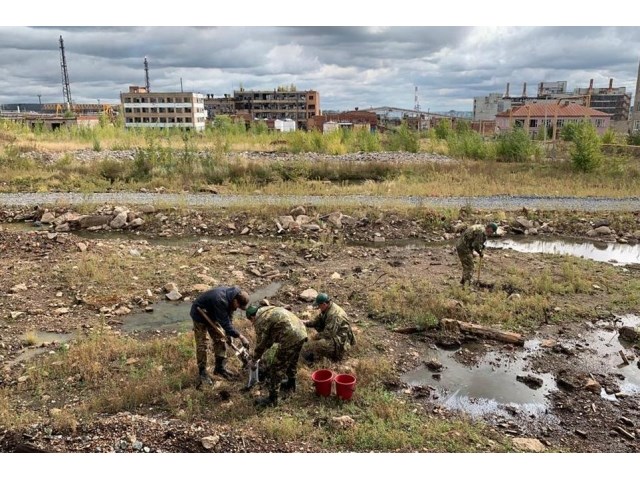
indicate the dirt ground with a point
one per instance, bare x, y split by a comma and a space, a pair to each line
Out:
579, 419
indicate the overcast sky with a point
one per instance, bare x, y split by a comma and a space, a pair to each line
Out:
349, 66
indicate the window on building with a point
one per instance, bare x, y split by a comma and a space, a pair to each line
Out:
560, 122
533, 123
599, 122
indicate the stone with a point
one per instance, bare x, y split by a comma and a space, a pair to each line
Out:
528, 445
170, 287
47, 217
308, 295
335, 276
300, 210
18, 288
82, 246
119, 221
210, 442
173, 295
88, 221
603, 230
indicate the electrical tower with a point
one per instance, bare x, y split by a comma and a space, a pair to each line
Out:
66, 89
416, 107
146, 75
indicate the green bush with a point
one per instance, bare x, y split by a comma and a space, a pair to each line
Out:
634, 138
443, 129
112, 170
586, 152
515, 146
609, 136
403, 139
568, 132
468, 145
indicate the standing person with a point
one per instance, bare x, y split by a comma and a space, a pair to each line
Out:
277, 325
472, 240
335, 337
212, 312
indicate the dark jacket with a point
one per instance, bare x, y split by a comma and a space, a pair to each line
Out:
217, 303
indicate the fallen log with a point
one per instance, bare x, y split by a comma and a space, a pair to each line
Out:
482, 331
408, 329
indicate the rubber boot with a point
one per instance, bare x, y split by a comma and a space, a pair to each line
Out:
221, 370
288, 385
203, 377
270, 401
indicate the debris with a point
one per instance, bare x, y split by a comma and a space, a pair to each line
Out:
481, 330
624, 433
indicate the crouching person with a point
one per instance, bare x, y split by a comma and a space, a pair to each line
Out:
335, 336
277, 325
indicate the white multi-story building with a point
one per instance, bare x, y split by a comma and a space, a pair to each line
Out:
163, 109
486, 108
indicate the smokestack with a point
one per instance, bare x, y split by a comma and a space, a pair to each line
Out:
507, 94
610, 84
590, 86
524, 90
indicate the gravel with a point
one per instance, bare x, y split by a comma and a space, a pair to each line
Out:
500, 202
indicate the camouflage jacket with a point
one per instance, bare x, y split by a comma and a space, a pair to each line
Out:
277, 325
473, 238
333, 324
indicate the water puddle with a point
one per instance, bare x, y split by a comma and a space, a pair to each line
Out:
598, 351
618, 253
489, 385
168, 316
43, 342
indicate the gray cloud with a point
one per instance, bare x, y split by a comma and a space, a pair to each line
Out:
349, 66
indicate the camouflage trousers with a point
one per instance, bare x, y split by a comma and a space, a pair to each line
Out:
200, 331
322, 347
466, 258
283, 365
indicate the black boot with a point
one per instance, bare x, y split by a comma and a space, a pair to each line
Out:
221, 370
270, 401
288, 385
203, 377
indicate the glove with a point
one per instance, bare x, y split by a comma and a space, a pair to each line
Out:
244, 341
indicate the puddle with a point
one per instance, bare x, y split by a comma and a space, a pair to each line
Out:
43, 342
168, 316
487, 386
618, 253
598, 351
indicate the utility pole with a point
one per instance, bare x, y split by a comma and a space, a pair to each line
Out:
39, 99
66, 88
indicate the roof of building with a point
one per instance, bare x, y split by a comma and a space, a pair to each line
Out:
552, 110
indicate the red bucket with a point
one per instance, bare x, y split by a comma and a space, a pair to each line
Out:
323, 380
345, 386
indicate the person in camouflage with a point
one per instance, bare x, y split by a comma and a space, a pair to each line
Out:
335, 337
277, 325
218, 304
472, 240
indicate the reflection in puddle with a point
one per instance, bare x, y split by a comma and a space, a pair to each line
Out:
486, 386
622, 254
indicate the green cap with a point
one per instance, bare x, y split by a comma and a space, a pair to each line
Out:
251, 311
321, 298
493, 226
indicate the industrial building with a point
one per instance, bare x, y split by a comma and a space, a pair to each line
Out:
278, 104
533, 117
142, 108
352, 120
610, 100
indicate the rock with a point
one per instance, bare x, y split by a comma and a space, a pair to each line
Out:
15, 315
82, 246
231, 226
603, 230
173, 295
335, 276
433, 365
528, 445
61, 311
592, 233
210, 442
335, 219
63, 228
122, 311
525, 223
601, 223
148, 209
309, 295
244, 231
530, 381
285, 221
200, 287
134, 252
593, 386
302, 219
344, 422
300, 210
47, 217
629, 334
312, 227
18, 288
136, 222
88, 221
119, 221
170, 287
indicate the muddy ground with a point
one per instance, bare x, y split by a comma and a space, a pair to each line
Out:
587, 409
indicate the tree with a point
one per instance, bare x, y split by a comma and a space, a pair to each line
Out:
586, 153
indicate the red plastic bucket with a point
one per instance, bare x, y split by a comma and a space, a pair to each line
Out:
345, 385
323, 380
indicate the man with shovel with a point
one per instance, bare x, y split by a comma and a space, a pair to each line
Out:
212, 313
472, 240
277, 325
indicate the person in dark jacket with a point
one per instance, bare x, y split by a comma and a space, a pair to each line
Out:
218, 304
